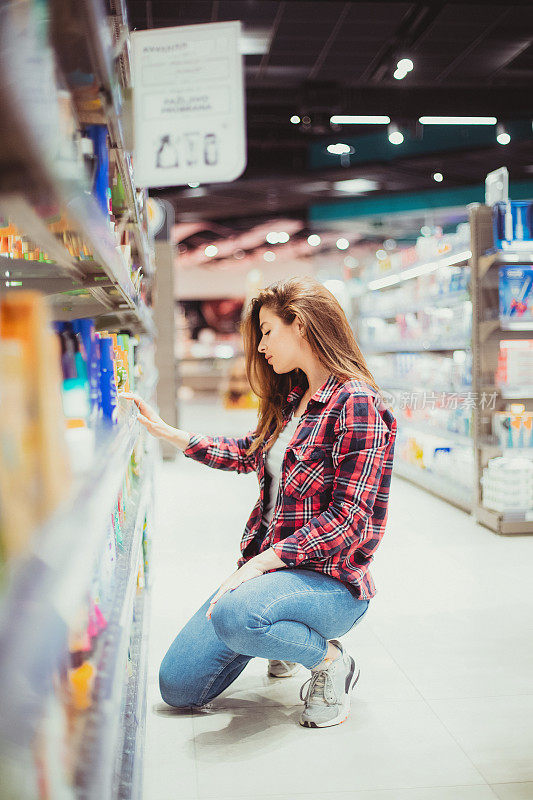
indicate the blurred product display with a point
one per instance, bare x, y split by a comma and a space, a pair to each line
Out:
441, 343
76, 472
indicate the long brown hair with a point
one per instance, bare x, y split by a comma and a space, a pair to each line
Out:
326, 329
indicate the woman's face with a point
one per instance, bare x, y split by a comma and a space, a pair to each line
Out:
282, 345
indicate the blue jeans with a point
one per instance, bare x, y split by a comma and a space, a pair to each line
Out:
289, 614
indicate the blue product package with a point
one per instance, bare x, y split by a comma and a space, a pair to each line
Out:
98, 134
512, 222
516, 295
108, 389
85, 330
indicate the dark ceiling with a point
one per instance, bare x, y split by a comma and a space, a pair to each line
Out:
320, 58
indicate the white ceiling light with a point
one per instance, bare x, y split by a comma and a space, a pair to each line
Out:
438, 177
502, 137
340, 149
314, 240
255, 43
356, 186
458, 120
283, 237
295, 119
351, 119
193, 185
269, 256
405, 64
272, 237
381, 255
342, 244
389, 244
395, 134
399, 74
211, 250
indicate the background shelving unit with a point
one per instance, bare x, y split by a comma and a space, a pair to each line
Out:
487, 332
42, 592
486, 336
443, 486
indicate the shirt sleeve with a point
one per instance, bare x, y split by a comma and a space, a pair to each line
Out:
221, 452
359, 451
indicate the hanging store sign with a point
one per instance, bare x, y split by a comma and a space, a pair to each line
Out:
188, 105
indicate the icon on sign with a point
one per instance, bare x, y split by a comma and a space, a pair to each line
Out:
192, 149
210, 149
167, 154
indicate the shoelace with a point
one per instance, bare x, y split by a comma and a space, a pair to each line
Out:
318, 682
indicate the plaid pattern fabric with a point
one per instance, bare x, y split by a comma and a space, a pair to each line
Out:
331, 508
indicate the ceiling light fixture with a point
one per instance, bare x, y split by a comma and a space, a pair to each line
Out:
351, 119
438, 177
395, 134
340, 149
211, 250
381, 255
403, 66
295, 119
269, 255
193, 185
272, 237
313, 240
283, 237
342, 244
458, 120
356, 186
502, 137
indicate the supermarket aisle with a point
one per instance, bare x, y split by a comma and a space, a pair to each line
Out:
444, 706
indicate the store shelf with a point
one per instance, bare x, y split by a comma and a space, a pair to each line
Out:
515, 325
425, 390
102, 733
439, 433
505, 523
42, 179
440, 486
407, 346
489, 327
511, 256
415, 271
450, 300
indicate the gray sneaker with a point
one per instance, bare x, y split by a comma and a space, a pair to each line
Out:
282, 669
327, 701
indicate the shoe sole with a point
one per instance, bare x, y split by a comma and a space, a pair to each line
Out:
344, 712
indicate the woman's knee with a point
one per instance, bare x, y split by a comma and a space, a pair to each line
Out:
176, 685
233, 619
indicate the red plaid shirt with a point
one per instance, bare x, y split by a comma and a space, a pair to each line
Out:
331, 507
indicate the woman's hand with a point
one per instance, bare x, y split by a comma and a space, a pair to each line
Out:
252, 569
245, 573
148, 416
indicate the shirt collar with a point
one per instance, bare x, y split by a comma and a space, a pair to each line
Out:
322, 395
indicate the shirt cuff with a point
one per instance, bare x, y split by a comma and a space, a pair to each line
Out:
290, 559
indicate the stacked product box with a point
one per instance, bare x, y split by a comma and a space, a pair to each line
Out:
516, 296
515, 365
508, 484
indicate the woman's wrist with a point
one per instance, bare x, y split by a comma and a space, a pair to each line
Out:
268, 560
178, 438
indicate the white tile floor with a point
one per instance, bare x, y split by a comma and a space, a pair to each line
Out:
444, 706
